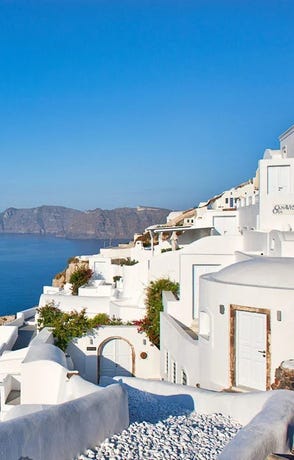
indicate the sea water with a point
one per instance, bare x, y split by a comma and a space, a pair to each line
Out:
27, 263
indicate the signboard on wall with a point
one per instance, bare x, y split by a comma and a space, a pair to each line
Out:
283, 209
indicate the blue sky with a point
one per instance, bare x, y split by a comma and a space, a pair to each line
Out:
119, 103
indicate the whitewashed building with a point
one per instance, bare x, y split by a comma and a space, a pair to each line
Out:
245, 307
223, 254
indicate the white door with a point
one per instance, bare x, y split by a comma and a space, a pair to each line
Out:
278, 179
251, 350
116, 358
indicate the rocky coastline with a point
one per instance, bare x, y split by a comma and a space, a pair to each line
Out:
65, 222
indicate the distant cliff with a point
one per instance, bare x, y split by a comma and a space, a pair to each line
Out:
71, 223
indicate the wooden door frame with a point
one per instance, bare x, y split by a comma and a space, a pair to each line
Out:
265, 311
100, 348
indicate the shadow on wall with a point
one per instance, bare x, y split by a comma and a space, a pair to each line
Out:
23, 339
94, 367
109, 368
78, 358
143, 406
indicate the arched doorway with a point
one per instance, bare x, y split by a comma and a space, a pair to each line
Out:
116, 356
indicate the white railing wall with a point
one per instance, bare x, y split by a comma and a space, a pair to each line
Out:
63, 431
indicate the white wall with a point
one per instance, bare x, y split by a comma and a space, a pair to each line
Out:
268, 432
240, 406
103, 268
86, 361
269, 219
71, 302
42, 382
45, 378
165, 265
8, 337
57, 432
174, 307
22, 316
255, 241
281, 244
249, 217
43, 336
176, 346
187, 283
93, 290
8, 383
135, 280
131, 280
217, 251
10, 361
116, 252
287, 141
124, 310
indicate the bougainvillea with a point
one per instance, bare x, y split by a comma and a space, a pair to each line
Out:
150, 324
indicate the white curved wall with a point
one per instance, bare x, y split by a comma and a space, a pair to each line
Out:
42, 382
268, 432
214, 355
241, 406
65, 430
8, 336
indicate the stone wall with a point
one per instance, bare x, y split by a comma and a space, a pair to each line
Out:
64, 277
284, 376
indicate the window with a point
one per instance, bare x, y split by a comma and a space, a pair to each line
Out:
166, 363
227, 200
278, 179
184, 377
174, 376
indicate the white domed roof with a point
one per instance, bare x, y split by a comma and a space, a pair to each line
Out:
271, 272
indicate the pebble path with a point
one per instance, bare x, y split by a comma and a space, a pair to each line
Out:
162, 430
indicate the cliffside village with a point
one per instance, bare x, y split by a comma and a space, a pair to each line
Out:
228, 333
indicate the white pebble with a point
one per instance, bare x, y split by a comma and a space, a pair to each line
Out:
161, 430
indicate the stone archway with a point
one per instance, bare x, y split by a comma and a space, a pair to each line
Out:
116, 356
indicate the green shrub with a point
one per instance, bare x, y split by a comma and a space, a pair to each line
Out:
80, 277
99, 320
48, 315
153, 302
129, 261
69, 325
73, 260
116, 278
66, 326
